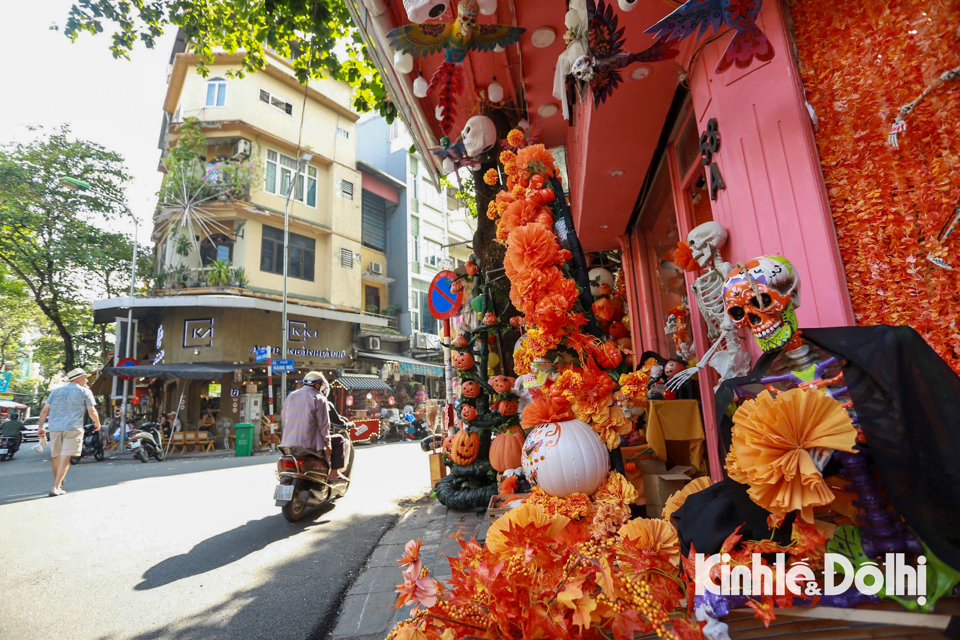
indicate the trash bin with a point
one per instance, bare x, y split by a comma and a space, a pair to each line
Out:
244, 439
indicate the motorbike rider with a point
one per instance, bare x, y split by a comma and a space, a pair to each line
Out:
12, 428
306, 420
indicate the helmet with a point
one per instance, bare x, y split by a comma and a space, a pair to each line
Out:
314, 377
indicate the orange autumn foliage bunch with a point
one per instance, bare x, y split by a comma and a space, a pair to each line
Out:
889, 204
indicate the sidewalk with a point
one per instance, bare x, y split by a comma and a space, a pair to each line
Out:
367, 613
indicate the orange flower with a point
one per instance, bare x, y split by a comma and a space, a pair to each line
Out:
537, 159
507, 157
654, 536
683, 257
491, 177
418, 589
492, 210
529, 287
411, 555
573, 506
617, 490
634, 385
530, 247
516, 138
546, 409
526, 515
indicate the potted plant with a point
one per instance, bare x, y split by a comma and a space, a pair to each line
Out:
219, 273
239, 277
182, 245
159, 279
180, 275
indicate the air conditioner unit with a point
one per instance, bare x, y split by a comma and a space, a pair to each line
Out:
376, 268
420, 341
373, 343
242, 149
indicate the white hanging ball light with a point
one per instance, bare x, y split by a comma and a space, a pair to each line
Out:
403, 62
495, 91
628, 5
420, 87
448, 166
488, 7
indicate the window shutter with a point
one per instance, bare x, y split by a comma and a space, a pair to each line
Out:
346, 258
414, 226
415, 205
374, 230
346, 189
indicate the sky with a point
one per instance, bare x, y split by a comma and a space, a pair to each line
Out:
49, 81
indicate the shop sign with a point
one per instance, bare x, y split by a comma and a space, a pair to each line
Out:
214, 390
5, 380
160, 338
235, 393
709, 145
261, 354
297, 331
159, 357
283, 366
198, 333
6, 396
315, 353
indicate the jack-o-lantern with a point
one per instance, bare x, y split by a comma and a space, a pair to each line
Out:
448, 445
471, 268
489, 319
460, 342
470, 389
499, 384
456, 286
495, 405
463, 361
564, 458
466, 446
506, 451
507, 408
468, 412
516, 322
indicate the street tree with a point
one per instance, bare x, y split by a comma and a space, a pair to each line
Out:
308, 33
19, 317
52, 239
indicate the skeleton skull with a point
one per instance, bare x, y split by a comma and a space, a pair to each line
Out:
704, 239
479, 135
764, 299
582, 68
420, 11
467, 12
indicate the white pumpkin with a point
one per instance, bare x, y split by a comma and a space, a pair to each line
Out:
563, 458
598, 276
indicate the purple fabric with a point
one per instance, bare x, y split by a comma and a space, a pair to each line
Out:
306, 420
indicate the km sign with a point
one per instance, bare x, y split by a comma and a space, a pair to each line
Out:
198, 333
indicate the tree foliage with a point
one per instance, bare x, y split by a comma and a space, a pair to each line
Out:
52, 240
19, 318
305, 32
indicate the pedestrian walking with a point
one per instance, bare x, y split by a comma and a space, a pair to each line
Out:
65, 407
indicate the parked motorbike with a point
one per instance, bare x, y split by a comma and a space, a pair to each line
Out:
403, 431
304, 478
146, 441
92, 446
9, 445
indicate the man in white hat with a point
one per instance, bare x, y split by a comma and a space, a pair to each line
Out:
306, 417
65, 407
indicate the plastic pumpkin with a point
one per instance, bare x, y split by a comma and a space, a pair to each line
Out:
461, 341
563, 458
471, 268
448, 445
508, 408
499, 384
468, 412
604, 309
505, 451
470, 389
489, 319
463, 361
617, 330
545, 219
466, 446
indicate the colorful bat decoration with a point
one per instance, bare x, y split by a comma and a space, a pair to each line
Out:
455, 40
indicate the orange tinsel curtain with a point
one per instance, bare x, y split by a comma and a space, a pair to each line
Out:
860, 62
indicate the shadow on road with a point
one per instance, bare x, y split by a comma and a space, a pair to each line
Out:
275, 608
228, 547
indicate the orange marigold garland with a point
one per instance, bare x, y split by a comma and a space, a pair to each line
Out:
574, 506
491, 177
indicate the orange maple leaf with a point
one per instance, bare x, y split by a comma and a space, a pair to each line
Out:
581, 615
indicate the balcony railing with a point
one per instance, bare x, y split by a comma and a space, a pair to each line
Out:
391, 320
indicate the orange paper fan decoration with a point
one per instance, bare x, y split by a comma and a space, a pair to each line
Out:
525, 515
654, 535
676, 501
772, 436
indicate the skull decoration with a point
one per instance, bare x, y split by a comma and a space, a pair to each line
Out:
467, 12
764, 297
420, 11
479, 135
582, 68
705, 239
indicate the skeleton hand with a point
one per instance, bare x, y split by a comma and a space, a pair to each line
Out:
677, 381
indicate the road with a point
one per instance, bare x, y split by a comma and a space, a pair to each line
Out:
184, 549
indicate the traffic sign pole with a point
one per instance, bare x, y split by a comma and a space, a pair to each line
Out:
448, 378
273, 427
444, 304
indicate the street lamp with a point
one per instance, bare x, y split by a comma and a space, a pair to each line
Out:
301, 164
74, 184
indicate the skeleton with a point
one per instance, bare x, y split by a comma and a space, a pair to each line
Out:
726, 355
479, 135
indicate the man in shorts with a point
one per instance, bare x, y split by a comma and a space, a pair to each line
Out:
65, 407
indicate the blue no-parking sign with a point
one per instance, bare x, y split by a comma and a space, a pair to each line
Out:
443, 302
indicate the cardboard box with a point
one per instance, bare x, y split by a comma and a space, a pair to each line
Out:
654, 510
438, 470
498, 505
659, 484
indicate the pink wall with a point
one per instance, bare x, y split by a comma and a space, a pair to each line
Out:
775, 201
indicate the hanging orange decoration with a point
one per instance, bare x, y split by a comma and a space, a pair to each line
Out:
463, 361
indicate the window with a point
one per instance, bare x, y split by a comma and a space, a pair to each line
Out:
346, 189
374, 230
279, 173
302, 254
343, 133
394, 129
424, 320
274, 101
430, 194
216, 247
216, 92
415, 240
433, 253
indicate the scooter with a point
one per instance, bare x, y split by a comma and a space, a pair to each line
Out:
145, 442
304, 478
92, 446
9, 445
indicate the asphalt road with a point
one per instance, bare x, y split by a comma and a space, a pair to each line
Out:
186, 549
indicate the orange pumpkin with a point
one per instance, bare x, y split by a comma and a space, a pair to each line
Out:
448, 445
617, 330
544, 219
604, 309
516, 322
456, 286
499, 384
460, 342
506, 451
489, 319
468, 412
463, 361
507, 408
471, 268
470, 389
610, 355
466, 446
604, 289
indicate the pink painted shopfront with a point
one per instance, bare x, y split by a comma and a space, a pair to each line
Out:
773, 202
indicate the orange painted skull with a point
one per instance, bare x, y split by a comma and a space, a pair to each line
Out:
764, 299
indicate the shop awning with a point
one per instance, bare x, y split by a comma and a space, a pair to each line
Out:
10, 404
361, 383
187, 371
407, 365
